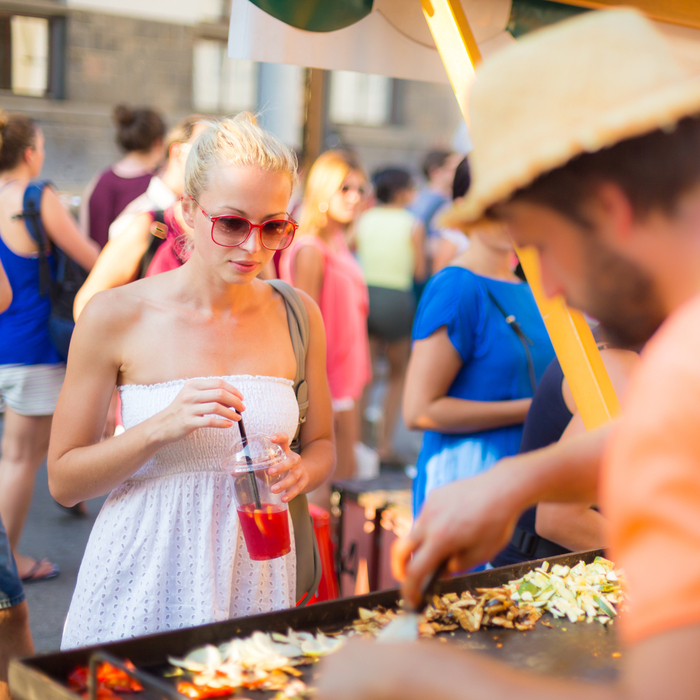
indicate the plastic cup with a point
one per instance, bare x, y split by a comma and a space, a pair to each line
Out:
261, 512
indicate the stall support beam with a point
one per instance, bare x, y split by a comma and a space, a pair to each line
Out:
570, 335
315, 100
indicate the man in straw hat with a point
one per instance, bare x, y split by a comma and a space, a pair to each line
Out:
587, 142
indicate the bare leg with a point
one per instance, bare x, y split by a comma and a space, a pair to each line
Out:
15, 641
347, 433
368, 429
397, 354
25, 442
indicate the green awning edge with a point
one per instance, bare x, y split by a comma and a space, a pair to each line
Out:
316, 15
528, 15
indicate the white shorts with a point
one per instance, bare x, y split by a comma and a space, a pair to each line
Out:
31, 390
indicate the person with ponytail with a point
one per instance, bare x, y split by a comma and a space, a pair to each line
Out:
190, 350
140, 133
321, 264
31, 371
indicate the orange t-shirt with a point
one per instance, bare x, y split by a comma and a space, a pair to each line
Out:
651, 482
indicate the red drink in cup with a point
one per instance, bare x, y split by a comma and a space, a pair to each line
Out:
261, 513
266, 531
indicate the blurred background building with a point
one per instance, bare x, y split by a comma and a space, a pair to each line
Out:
67, 62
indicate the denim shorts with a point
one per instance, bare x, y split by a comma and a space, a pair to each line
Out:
11, 590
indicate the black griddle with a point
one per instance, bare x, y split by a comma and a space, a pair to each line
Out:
578, 651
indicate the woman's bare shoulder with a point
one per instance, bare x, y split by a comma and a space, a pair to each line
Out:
308, 251
114, 309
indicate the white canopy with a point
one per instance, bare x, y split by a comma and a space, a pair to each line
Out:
392, 40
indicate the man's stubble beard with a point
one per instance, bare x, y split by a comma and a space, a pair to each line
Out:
621, 296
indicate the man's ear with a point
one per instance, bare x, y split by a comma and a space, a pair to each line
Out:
612, 214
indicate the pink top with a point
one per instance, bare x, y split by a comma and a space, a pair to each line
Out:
344, 306
173, 251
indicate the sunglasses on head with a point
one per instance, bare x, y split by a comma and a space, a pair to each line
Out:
230, 231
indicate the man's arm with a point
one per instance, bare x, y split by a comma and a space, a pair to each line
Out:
470, 521
575, 525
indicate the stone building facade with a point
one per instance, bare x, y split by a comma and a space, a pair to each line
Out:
98, 57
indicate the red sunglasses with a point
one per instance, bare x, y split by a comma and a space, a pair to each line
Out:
230, 231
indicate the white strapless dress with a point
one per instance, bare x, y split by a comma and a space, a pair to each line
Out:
166, 550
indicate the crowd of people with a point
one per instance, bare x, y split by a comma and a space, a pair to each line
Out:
177, 240
185, 329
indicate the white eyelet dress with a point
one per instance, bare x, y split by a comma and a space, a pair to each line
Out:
166, 550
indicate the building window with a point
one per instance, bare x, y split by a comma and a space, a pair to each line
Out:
360, 98
25, 54
31, 54
220, 84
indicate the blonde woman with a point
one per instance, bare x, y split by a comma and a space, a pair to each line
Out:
320, 263
190, 350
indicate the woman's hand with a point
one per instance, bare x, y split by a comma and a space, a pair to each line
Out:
296, 479
202, 403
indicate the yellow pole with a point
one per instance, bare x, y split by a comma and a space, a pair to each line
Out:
576, 350
570, 335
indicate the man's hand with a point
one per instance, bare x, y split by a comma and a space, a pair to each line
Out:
468, 521
471, 520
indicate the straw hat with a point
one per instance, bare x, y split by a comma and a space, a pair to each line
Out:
577, 87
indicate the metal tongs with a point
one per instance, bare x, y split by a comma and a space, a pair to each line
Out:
404, 628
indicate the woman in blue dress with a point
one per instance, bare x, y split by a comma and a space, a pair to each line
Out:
472, 374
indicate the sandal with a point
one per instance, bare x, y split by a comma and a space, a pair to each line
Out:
33, 575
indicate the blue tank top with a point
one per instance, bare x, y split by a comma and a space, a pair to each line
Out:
24, 326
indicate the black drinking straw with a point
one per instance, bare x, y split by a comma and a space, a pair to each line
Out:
249, 462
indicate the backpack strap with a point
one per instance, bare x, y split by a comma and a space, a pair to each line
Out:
31, 214
298, 321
